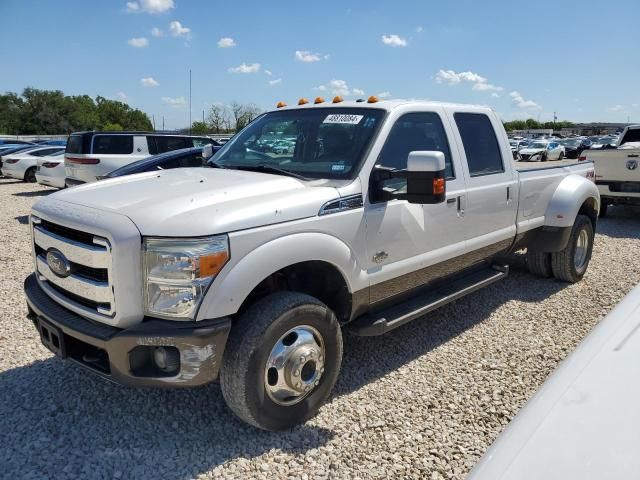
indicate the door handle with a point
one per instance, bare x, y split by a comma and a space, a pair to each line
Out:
632, 155
508, 194
452, 199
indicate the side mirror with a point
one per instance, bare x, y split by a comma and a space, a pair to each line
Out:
207, 151
426, 182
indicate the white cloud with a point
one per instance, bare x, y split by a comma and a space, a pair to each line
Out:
246, 68
519, 101
268, 72
320, 88
276, 81
494, 94
178, 102
419, 29
616, 108
150, 6
480, 83
358, 91
394, 40
339, 87
177, 30
148, 82
384, 94
226, 42
156, 32
307, 56
121, 96
139, 42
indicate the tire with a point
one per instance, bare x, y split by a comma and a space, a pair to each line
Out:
543, 157
603, 210
30, 175
561, 156
539, 263
245, 378
568, 266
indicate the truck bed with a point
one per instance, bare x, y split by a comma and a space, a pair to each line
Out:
529, 166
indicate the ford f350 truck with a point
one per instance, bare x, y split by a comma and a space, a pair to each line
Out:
249, 271
618, 170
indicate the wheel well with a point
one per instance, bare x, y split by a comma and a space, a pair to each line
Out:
590, 209
319, 279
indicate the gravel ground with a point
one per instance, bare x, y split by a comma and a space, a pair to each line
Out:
424, 401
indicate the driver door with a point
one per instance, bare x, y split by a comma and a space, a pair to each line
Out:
409, 245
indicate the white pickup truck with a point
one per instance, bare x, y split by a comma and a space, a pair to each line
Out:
618, 170
249, 270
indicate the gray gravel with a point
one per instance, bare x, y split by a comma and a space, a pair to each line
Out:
424, 401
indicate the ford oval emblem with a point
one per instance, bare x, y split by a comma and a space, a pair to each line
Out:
632, 164
58, 263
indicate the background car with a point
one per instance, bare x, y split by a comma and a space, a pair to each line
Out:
50, 170
517, 145
573, 147
541, 151
52, 142
22, 165
188, 157
13, 141
9, 150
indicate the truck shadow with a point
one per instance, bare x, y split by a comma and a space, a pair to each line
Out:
22, 219
35, 193
620, 222
64, 422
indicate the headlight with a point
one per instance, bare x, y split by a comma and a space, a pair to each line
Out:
178, 271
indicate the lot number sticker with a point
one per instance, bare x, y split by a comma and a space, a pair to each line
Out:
344, 119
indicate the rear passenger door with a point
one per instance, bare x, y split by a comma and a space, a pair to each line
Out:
491, 184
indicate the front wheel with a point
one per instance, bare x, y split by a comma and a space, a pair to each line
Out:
561, 156
282, 360
570, 264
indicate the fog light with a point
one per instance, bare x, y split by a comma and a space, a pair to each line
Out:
167, 359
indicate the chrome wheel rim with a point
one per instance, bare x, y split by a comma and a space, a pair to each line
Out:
582, 248
295, 365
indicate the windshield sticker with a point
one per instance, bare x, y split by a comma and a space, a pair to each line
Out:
343, 118
337, 168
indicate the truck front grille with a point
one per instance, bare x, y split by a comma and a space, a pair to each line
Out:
87, 283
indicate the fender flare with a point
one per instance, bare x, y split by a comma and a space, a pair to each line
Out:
230, 289
567, 200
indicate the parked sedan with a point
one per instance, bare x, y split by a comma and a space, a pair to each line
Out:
516, 146
187, 157
50, 170
5, 152
573, 147
541, 151
22, 165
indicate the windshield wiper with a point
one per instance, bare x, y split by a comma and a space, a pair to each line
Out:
268, 169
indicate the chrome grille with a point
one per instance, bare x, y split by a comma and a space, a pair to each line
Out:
89, 287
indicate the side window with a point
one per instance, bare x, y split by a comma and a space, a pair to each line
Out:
113, 144
168, 144
414, 132
480, 144
194, 160
201, 141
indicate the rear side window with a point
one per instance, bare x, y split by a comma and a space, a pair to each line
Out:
632, 135
193, 160
202, 141
45, 151
480, 144
76, 144
162, 144
113, 144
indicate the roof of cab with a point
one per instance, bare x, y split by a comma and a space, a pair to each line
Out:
387, 105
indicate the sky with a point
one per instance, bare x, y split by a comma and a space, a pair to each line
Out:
524, 59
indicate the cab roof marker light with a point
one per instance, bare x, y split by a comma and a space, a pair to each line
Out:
338, 99
372, 99
318, 100
303, 101
281, 104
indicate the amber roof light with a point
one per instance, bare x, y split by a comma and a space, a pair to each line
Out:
318, 100
372, 99
281, 104
302, 101
338, 99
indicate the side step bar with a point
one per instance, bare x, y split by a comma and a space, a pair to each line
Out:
378, 323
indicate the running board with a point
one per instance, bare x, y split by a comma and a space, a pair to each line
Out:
370, 325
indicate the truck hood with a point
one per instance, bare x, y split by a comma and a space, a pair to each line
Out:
202, 201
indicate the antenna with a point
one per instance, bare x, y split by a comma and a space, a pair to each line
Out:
189, 101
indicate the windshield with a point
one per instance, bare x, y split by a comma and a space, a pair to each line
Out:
312, 143
538, 145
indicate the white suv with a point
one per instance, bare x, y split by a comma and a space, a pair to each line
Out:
92, 154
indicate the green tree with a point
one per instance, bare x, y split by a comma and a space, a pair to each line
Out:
199, 128
11, 106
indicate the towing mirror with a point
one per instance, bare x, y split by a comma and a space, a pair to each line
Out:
207, 151
426, 182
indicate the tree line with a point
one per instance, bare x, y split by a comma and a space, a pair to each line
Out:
50, 112
227, 118
531, 124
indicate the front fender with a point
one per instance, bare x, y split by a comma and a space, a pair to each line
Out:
566, 201
230, 289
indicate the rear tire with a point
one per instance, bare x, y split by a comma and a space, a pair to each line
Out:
561, 156
252, 389
30, 175
539, 263
570, 264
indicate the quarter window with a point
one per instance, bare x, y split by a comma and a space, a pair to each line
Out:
480, 144
113, 144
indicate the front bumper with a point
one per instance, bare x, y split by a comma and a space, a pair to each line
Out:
125, 356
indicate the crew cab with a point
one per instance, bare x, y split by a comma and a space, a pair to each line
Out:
618, 170
91, 155
249, 270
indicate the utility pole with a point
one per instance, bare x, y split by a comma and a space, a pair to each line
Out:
163, 123
554, 121
153, 115
189, 101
